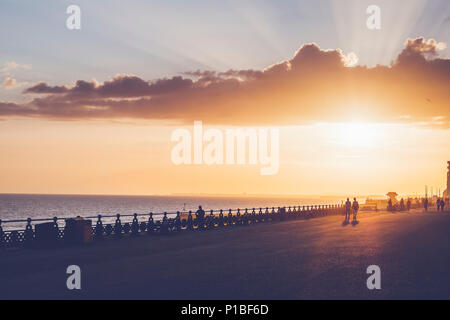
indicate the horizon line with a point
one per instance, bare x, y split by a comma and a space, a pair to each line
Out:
201, 194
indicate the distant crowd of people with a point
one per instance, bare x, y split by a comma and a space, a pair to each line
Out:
401, 206
440, 204
425, 203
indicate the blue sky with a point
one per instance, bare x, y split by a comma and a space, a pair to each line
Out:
154, 39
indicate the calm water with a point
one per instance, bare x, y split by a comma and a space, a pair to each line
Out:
17, 206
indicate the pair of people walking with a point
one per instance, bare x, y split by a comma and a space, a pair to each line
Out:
440, 204
349, 207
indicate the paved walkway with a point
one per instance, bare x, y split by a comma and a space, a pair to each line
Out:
304, 259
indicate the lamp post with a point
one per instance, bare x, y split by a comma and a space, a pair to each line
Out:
448, 182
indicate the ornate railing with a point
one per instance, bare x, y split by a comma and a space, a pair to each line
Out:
116, 226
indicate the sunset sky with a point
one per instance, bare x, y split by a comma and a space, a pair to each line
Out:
92, 111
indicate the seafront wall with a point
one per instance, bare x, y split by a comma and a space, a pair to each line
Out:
56, 232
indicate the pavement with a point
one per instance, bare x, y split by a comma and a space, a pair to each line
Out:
304, 259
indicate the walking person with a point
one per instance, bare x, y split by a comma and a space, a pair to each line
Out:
441, 205
389, 206
408, 204
402, 205
348, 208
355, 207
425, 204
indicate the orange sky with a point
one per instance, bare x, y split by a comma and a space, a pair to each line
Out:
345, 129
104, 157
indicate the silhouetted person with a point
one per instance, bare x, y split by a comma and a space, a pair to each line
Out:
200, 217
425, 204
389, 207
402, 204
355, 207
348, 208
408, 204
440, 205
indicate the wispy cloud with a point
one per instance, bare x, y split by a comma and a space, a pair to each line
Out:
12, 65
11, 83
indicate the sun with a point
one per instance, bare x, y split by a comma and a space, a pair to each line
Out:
356, 134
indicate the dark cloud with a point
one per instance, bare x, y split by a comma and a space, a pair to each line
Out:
119, 86
42, 87
315, 85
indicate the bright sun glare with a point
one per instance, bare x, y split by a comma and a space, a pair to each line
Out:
356, 134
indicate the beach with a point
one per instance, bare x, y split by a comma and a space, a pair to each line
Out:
297, 259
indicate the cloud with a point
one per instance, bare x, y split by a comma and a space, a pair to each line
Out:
12, 65
11, 83
119, 86
315, 85
418, 50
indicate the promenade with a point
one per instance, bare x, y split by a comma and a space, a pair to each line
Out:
293, 259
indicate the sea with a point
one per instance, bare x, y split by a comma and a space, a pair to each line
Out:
34, 206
